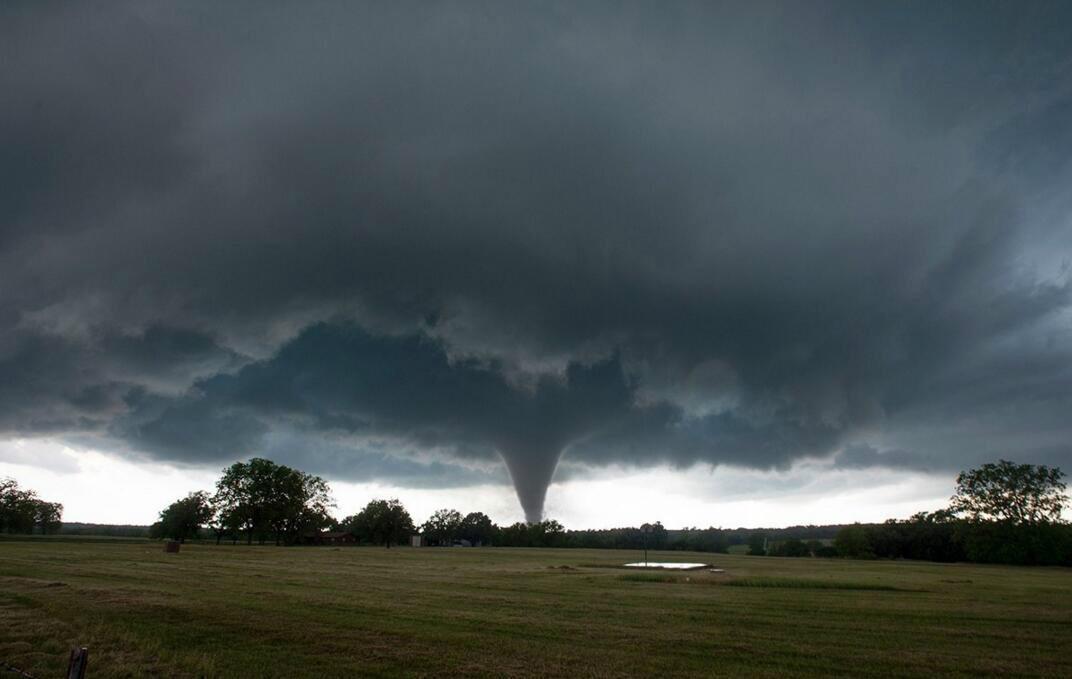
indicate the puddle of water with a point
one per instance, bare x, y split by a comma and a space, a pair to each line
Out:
672, 565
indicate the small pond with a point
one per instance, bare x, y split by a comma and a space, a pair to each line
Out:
672, 565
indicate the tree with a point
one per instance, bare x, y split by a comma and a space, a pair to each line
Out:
381, 522
443, 527
235, 499
21, 510
547, 533
265, 498
478, 528
757, 544
297, 502
183, 518
218, 522
658, 536
853, 542
1012, 493
699, 540
514, 535
49, 516
790, 547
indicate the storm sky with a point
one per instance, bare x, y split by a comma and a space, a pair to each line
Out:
434, 248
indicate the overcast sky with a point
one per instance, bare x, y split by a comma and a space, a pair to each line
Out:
713, 263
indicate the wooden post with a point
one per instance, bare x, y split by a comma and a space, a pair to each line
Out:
76, 668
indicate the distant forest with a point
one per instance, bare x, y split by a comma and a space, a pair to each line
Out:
103, 530
919, 538
685, 539
700, 539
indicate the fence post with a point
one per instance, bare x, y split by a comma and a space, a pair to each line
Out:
76, 669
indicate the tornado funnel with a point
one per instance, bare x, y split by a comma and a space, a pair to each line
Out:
531, 469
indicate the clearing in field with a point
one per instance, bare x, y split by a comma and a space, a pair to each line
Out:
295, 612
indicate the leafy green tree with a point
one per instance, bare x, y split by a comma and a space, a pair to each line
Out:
514, 535
1012, 493
21, 510
263, 498
547, 533
49, 516
235, 500
381, 522
658, 536
183, 518
443, 527
478, 528
297, 503
218, 523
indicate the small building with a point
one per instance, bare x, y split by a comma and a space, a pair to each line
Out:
416, 541
332, 537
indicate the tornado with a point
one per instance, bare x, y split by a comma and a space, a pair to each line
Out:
530, 433
531, 466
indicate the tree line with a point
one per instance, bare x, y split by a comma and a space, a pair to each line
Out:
22, 511
1000, 513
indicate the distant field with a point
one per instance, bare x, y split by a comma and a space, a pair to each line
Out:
294, 612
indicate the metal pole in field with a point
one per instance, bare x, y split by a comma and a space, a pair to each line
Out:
646, 529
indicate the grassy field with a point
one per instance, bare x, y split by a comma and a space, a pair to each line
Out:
293, 612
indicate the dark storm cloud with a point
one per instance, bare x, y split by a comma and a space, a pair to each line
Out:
50, 383
337, 378
863, 456
739, 234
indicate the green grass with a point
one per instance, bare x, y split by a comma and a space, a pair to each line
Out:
294, 612
807, 583
650, 577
